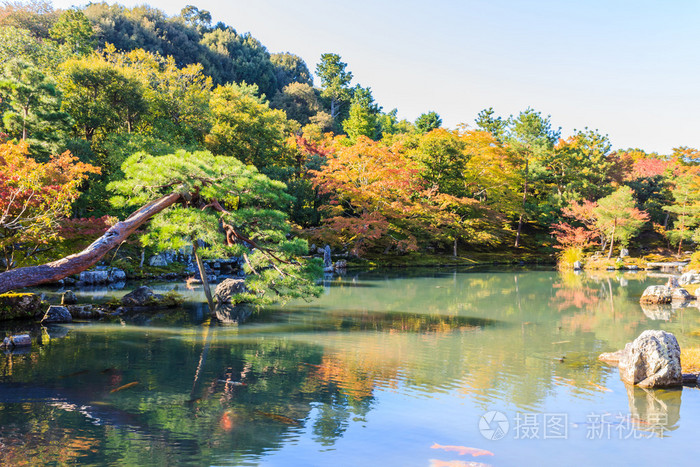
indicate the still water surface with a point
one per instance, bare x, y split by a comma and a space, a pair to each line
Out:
377, 371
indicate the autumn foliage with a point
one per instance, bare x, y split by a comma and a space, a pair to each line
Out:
34, 198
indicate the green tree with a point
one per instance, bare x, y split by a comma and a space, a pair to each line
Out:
74, 31
200, 19
428, 121
299, 101
32, 100
617, 217
217, 205
335, 82
290, 68
246, 128
531, 137
99, 95
363, 118
686, 207
486, 121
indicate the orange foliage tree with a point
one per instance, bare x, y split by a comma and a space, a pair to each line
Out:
34, 198
380, 200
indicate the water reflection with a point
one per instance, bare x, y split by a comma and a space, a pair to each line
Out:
657, 411
411, 360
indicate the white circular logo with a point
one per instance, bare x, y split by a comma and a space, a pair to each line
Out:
494, 425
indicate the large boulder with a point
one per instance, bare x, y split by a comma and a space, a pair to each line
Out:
690, 277
226, 313
657, 295
652, 360
57, 314
143, 296
681, 295
228, 288
19, 306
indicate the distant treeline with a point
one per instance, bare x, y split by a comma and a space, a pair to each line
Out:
105, 81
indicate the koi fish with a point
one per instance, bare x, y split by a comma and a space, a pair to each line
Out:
226, 422
279, 418
232, 383
463, 450
126, 386
439, 463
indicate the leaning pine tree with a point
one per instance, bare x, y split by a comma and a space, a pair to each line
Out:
215, 204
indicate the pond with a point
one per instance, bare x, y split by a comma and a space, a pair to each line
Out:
450, 368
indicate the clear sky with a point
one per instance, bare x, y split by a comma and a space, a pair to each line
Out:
630, 69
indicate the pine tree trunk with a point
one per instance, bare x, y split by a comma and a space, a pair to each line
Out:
73, 264
612, 240
203, 275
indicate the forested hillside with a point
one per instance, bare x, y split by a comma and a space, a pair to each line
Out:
81, 90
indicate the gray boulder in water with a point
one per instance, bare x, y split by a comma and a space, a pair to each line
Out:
652, 360
57, 314
69, 298
143, 296
228, 288
657, 295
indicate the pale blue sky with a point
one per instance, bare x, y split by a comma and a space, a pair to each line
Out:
628, 68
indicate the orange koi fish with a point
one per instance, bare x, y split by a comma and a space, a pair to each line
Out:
439, 463
463, 450
126, 386
226, 422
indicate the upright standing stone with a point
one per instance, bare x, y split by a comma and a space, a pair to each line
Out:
327, 261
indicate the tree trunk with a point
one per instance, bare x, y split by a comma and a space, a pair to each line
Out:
612, 240
73, 264
203, 276
520, 221
454, 248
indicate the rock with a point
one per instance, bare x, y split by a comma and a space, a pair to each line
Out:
672, 282
20, 340
327, 261
143, 296
657, 295
81, 312
611, 358
228, 288
633, 267
116, 275
690, 277
577, 265
624, 253
68, 298
19, 306
690, 379
653, 360
158, 261
94, 277
69, 281
340, 265
681, 295
57, 314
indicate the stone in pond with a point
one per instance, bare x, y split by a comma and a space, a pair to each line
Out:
57, 314
143, 296
652, 360
69, 298
228, 288
657, 295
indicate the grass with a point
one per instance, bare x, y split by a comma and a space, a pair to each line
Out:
690, 360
